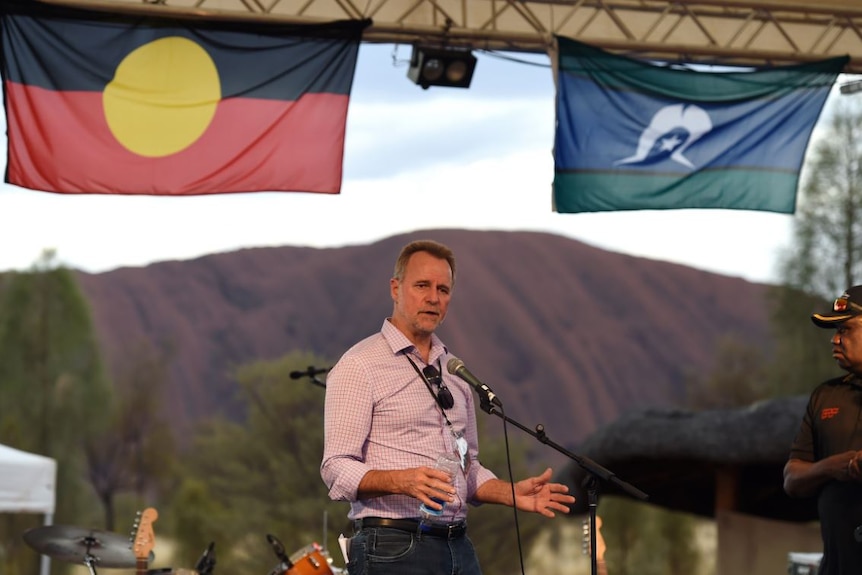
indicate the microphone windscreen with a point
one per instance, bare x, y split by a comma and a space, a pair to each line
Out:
453, 365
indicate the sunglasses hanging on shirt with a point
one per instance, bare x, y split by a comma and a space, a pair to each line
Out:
431, 376
444, 396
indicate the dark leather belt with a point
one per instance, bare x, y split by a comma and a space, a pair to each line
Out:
450, 531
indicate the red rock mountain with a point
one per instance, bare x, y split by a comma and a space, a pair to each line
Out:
567, 335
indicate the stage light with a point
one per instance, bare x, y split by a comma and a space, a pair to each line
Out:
441, 67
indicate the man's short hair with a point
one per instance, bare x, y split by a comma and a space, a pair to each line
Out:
436, 249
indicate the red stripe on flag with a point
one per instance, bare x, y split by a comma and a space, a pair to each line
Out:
60, 142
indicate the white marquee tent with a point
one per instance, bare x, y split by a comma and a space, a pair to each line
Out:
28, 485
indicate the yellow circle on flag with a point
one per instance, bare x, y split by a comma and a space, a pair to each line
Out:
163, 97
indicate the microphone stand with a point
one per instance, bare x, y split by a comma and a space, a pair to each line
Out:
594, 470
207, 562
311, 373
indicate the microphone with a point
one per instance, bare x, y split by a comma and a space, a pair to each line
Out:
207, 561
278, 549
456, 367
310, 372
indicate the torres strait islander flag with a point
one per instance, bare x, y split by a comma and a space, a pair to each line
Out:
633, 135
100, 103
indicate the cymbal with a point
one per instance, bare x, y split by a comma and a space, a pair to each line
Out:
74, 544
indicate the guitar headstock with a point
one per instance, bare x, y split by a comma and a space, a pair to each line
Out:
144, 537
600, 541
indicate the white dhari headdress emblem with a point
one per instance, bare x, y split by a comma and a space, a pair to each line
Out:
670, 132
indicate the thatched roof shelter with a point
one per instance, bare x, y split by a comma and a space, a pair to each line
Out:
701, 462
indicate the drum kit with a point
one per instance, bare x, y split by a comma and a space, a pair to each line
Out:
104, 549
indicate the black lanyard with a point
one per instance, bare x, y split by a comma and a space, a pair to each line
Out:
460, 442
428, 385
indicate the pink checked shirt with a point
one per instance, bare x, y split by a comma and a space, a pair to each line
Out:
380, 415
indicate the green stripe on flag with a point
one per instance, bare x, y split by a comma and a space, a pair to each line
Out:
723, 189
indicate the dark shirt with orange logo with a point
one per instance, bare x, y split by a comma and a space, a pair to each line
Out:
832, 425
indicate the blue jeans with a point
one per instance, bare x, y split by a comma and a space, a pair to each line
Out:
387, 551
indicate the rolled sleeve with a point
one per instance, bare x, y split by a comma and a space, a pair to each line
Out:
347, 422
478, 476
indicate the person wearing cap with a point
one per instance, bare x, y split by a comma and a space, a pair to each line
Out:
825, 455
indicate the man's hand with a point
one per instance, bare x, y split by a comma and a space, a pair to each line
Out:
537, 495
423, 483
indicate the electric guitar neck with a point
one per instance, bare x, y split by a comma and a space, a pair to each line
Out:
145, 539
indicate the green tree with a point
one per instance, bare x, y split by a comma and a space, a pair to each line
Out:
136, 453
739, 377
825, 253
259, 476
54, 396
823, 258
801, 357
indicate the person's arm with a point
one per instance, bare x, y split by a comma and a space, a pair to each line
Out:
534, 494
805, 478
347, 411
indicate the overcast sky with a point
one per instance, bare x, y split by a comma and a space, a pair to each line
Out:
477, 158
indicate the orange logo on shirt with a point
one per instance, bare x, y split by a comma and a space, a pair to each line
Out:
829, 413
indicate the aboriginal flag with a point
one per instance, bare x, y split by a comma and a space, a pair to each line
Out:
100, 103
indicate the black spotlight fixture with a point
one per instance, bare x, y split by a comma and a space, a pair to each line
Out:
441, 67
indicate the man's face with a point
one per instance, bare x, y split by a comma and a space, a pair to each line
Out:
422, 296
847, 345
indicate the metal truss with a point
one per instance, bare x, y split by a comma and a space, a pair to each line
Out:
735, 32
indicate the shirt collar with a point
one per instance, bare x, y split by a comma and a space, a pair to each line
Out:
399, 343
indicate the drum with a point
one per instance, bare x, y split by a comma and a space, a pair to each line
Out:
310, 560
